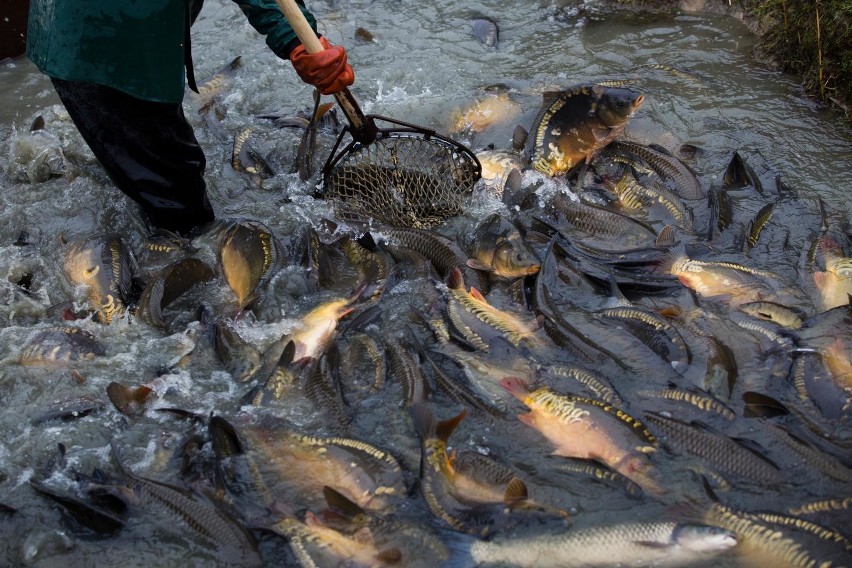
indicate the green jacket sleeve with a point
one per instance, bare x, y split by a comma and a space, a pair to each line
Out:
266, 17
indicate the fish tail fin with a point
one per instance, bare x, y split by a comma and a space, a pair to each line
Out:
668, 260
428, 427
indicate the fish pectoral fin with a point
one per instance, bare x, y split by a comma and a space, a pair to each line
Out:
652, 544
516, 491
477, 265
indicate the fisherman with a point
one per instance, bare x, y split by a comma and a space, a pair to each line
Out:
120, 68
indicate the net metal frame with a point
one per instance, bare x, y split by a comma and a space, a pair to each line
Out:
408, 177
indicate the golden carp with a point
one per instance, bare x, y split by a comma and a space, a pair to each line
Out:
512, 328
289, 463
580, 427
464, 495
250, 256
498, 248
104, 264
499, 108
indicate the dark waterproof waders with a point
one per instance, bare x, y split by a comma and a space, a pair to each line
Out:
148, 149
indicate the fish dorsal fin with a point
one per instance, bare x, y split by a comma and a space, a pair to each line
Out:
477, 265
666, 237
390, 555
444, 429
340, 503
516, 491
455, 280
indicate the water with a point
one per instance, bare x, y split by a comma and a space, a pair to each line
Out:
423, 65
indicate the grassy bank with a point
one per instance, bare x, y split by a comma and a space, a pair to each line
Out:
811, 38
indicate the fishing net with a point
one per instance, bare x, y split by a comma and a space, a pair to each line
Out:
407, 177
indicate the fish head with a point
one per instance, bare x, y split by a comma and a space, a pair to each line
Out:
615, 105
513, 258
701, 538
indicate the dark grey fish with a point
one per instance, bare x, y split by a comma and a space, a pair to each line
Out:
241, 358
685, 182
654, 331
444, 252
169, 284
739, 174
232, 544
596, 224
486, 31
60, 345
717, 450
88, 513
404, 366
698, 399
246, 159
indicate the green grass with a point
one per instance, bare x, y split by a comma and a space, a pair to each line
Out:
810, 38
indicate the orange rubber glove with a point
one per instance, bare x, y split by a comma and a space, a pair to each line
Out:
326, 70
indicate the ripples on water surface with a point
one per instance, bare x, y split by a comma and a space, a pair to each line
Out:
423, 65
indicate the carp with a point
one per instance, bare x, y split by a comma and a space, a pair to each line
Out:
577, 123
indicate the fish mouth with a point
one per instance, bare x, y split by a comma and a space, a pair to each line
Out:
534, 269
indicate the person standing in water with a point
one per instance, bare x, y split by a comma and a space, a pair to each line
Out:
120, 69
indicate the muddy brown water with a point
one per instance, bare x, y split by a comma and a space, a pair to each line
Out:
420, 68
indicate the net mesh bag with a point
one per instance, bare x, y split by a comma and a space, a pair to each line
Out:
404, 178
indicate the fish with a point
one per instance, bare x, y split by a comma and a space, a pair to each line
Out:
314, 543
580, 427
467, 501
294, 466
130, 401
717, 450
834, 284
250, 256
444, 252
593, 224
59, 345
575, 124
486, 31
512, 328
317, 328
169, 284
373, 263
498, 248
494, 108
246, 159
650, 543
684, 181
589, 378
229, 543
405, 367
304, 162
740, 283
652, 330
777, 539
639, 196
785, 316
700, 400
501, 172
240, 358
212, 87
104, 264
